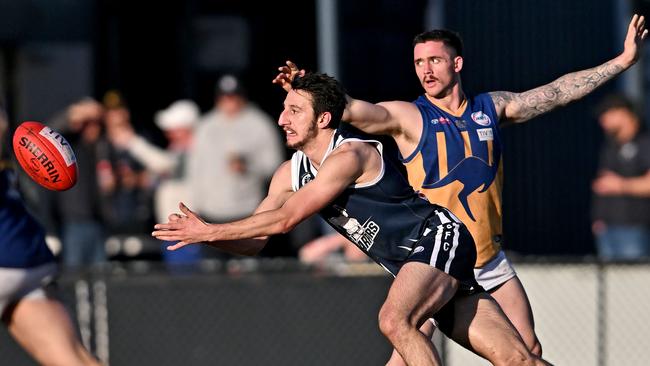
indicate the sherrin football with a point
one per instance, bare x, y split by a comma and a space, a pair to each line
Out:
45, 156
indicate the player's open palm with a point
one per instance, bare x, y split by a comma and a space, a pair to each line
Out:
636, 33
187, 228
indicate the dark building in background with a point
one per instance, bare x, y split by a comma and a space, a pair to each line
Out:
182, 48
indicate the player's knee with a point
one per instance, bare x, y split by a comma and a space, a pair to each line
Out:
392, 323
532, 343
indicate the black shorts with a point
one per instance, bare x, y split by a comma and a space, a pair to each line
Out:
447, 245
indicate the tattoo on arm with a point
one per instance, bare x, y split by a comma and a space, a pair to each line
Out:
520, 107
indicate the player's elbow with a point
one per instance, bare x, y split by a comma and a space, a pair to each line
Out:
285, 226
286, 223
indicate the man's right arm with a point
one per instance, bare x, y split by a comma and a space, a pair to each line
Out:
154, 158
385, 118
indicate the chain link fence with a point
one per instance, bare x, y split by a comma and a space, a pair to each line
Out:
275, 312
587, 314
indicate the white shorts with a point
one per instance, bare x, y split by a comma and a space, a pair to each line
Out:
24, 283
495, 272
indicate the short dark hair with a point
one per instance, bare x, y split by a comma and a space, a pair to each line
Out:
230, 84
448, 37
616, 101
328, 95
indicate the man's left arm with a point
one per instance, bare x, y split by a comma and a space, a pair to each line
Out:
340, 171
520, 107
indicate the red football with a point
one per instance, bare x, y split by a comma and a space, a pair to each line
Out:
45, 156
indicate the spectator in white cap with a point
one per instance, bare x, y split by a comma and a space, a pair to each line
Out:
180, 114
178, 122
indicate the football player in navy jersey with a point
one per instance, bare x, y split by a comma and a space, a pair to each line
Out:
349, 179
450, 145
38, 322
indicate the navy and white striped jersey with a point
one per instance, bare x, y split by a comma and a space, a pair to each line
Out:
387, 219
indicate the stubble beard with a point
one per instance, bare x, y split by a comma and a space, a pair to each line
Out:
311, 133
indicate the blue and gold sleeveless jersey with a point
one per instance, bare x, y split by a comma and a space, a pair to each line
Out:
22, 239
457, 164
385, 218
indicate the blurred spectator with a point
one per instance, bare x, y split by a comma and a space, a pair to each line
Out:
330, 246
129, 209
621, 207
236, 150
177, 122
78, 214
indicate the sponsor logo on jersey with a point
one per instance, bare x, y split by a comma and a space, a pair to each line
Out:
461, 123
485, 134
363, 235
442, 120
366, 238
481, 118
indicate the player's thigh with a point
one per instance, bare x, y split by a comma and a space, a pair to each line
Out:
419, 290
512, 298
499, 278
481, 326
43, 327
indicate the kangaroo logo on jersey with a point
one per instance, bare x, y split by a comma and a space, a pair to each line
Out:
481, 118
473, 173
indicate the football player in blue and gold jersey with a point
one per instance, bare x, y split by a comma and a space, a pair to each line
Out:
450, 145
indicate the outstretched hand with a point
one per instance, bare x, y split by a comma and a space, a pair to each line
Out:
636, 33
186, 228
287, 74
